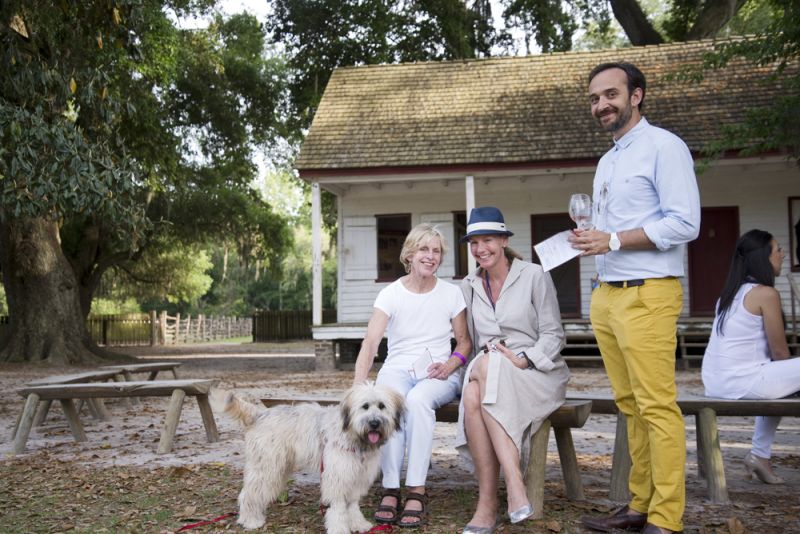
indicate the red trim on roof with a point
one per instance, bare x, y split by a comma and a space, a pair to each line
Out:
461, 168
483, 167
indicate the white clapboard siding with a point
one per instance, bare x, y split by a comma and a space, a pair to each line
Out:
444, 221
360, 250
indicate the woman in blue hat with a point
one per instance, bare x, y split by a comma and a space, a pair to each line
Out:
515, 325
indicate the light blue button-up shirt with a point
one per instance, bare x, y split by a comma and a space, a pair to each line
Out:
647, 181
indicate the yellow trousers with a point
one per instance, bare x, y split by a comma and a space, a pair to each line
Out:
635, 329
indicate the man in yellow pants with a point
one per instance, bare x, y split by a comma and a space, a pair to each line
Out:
646, 208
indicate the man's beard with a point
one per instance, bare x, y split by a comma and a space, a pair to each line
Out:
622, 119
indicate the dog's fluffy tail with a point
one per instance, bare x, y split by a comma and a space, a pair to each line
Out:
241, 410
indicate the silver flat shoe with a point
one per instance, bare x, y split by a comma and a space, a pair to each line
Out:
520, 514
471, 529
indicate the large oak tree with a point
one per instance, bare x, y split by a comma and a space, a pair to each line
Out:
120, 131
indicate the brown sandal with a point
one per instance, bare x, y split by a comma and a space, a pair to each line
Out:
388, 492
421, 515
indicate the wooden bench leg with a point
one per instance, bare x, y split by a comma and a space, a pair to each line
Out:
41, 412
25, 423
73, 419
129, 378
534, 475
708, 443
171, 423
620, 463
152, 376
127, 400
569, 464
208, 419
174, 373
99, 409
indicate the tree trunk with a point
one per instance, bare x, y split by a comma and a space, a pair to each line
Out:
630, 16
46, 323
713, 17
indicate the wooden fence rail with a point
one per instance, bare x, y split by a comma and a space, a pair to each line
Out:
284, 325
137, 329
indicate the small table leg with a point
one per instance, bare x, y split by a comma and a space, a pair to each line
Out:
621, 463
208, 418
25, 423
41, 413
569, 464
708, 442
171, 423
73, 419
537, 461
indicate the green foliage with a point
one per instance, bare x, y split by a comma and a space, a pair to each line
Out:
320, 35
135, 133
776, 127
102, 306
60, 148
172, 271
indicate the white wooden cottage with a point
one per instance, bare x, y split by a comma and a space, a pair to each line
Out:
403, 144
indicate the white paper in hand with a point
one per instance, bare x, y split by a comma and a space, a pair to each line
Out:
556, 250
420, 366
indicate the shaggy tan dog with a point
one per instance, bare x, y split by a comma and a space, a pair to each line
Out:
343, 440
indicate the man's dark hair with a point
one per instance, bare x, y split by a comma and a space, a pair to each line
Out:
635, 77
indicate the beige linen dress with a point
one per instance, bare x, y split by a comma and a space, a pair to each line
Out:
527, 317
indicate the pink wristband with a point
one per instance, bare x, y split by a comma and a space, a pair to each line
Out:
460, 357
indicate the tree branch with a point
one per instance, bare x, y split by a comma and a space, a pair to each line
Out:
713, 17
630, 16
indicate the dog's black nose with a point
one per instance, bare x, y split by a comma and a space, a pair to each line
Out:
374, 424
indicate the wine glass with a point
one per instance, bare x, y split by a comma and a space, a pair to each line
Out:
580, 210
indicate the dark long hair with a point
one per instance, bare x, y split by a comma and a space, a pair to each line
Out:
750, 263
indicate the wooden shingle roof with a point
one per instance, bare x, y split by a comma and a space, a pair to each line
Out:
512, 110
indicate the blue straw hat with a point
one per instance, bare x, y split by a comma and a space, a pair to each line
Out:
487, 220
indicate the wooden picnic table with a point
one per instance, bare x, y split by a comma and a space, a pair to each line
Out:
66, 393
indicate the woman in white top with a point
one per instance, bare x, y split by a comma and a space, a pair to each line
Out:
419, 314
747, 354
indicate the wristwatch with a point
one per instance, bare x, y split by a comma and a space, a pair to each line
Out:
524, 355
614, 242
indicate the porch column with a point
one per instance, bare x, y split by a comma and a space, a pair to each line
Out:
316, 255
469, 187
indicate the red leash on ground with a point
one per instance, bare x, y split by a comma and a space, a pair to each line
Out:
209, 522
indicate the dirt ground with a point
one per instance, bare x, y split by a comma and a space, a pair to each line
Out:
115, 481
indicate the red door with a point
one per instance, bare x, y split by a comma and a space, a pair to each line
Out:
710, 257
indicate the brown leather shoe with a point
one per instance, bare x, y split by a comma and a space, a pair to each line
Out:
619, 520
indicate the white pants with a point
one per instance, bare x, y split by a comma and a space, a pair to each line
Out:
416, 431
777, 379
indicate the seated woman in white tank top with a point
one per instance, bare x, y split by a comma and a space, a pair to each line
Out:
747, 355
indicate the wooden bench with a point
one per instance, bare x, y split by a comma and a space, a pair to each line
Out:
153, 368
709, 455
66, 393
572, 414
96, 406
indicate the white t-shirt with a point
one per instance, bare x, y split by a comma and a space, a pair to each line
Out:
419, 321
732, 361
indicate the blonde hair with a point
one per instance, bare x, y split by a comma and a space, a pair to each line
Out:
418, 235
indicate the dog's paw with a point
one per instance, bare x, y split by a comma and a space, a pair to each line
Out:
249, 523
360, 525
